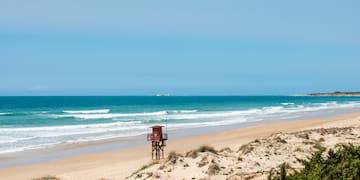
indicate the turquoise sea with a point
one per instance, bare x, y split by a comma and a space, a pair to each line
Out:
39, 122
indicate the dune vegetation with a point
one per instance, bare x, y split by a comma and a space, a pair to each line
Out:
343, 163
324, 153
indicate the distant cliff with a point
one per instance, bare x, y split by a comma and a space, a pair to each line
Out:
337, 93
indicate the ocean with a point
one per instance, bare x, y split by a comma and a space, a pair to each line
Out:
28, 123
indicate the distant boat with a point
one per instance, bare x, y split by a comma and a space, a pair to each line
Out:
165, 94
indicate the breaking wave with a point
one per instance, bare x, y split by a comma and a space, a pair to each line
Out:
104, 114
5, 113
113, 115
98, 111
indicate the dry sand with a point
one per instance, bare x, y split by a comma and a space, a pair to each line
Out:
122, 163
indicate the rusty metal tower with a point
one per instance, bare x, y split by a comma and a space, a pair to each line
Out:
158, 141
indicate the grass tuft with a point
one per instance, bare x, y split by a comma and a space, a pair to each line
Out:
298, 149
303, 135
280, 140
213, 169
318, 146
47, 178
143, 167
204, 148
246, 148
227, 149
173, 156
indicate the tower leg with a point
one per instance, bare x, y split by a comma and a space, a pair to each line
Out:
163, 145
152, 150
158, 145
156, 150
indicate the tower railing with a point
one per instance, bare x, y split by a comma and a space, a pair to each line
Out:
150, 136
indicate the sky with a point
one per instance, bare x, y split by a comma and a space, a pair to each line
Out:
187, 47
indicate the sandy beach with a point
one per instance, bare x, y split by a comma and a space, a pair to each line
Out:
122, 163
179, 90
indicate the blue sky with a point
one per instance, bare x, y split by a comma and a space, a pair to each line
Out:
185, 48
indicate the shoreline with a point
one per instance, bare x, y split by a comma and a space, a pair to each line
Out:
119, 164
61, 151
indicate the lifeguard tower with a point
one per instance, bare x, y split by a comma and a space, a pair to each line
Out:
158, 140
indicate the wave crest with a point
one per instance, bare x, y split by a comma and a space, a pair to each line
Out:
5, 113
97, 111
114, 115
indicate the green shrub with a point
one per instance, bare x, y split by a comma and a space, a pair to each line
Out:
341, 164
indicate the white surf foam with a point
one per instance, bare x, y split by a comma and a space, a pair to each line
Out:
112, 115
29, 147
5, 113
98, 111
218, 114
287, 103
68, 127
188, 111
181, 111
185, 111
34, 138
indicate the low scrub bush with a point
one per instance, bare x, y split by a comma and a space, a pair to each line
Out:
344, 163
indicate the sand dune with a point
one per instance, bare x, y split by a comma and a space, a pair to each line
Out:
252, 160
